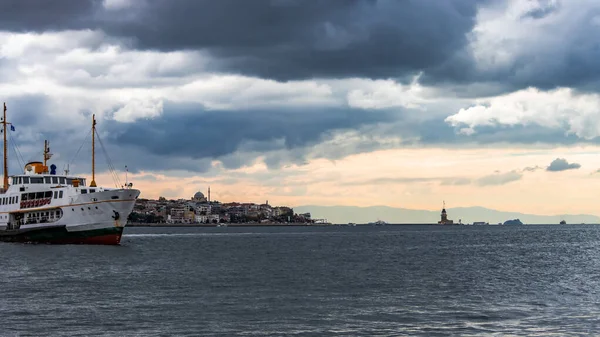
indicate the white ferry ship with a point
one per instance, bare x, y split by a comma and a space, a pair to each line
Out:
40, 206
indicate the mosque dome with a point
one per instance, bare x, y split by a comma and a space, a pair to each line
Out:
198, 196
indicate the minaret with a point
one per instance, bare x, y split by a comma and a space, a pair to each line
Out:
209, 205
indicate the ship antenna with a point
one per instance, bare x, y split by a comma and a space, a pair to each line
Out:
126, 170
4, 123
93, 183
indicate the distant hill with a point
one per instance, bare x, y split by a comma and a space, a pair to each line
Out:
345, 214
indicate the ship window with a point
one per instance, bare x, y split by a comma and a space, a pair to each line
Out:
92, 190
48, 180
115, 197
17, 199
48, 194
63, 180
20, 180
55, 194
36, 180
55, 180
24, 196
25, 180
60, 194
31, 196
39, 195
69, 181
14, 181
83, 191
82, 181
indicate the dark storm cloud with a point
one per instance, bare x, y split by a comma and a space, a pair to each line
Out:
515, 134
46, 15
561, 164
213, 134
188, 138
279, 39
184, 137
294, 39
546, 8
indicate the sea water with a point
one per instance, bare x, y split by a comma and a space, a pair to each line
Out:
309, 281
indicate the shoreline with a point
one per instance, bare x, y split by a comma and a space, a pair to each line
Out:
269, 224
301, 224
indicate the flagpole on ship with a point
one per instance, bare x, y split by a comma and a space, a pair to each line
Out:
4, 123
93, 183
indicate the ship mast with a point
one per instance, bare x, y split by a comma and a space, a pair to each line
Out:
47, 155
93, 183
4, 123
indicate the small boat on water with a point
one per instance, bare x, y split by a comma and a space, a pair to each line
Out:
41, 206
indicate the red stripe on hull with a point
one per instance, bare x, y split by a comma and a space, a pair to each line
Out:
60, 235
109, 239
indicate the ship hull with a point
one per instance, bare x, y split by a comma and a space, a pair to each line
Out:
94, 218
60, 235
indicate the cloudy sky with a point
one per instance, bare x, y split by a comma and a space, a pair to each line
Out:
402, 103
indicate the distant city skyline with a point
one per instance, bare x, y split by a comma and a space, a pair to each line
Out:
358, 103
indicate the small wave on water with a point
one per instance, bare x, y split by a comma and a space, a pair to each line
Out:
152, 235
168, 232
